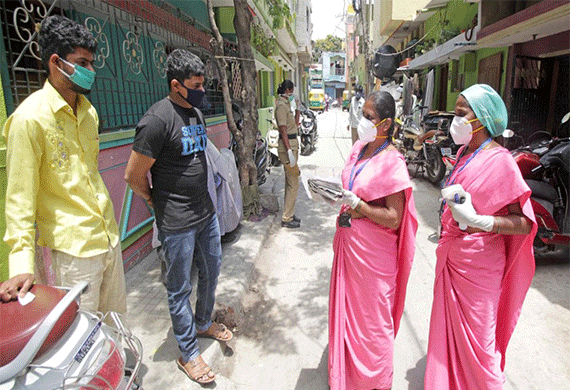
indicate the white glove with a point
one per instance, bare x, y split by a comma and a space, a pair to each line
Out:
459, 202
292, 161
350, 198
454, 194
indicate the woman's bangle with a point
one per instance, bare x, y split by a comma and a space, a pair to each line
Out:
498, 227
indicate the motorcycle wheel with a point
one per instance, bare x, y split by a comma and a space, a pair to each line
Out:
435, 167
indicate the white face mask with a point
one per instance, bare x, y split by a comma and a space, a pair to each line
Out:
460, 130
367, 130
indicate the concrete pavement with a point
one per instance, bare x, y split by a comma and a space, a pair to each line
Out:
149, 319
277, 281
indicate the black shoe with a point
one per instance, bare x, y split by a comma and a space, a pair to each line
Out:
296, 219
291, 224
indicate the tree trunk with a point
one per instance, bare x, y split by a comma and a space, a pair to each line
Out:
242, 25
244, 138
244, 151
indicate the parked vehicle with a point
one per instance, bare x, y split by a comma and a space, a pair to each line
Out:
307, 131
544, 164
346, 100
272, 139
260, 153
420, 143
51, 344
317, 99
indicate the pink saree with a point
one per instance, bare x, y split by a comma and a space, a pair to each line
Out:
481, 280
368, 283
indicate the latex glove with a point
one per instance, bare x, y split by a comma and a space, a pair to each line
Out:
350, 198
292, 161
454, 194
463, 212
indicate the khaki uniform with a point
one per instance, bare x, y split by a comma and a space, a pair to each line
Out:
284, 117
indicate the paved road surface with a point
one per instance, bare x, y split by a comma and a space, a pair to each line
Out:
283, 341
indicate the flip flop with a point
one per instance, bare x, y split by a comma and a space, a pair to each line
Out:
197, 370
218, 332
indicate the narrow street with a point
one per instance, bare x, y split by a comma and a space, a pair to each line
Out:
283, 340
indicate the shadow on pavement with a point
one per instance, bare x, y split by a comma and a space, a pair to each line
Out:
315, 378
415, 376
552, 281
266, 321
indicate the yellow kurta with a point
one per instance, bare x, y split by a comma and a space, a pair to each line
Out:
53, 180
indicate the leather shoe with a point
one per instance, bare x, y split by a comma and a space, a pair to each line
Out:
296, 219
292, 224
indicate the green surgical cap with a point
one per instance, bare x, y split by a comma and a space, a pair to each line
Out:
488, 106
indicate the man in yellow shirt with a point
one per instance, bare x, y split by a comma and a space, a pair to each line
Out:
53, 178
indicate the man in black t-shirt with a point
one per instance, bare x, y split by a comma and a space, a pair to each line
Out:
170, 141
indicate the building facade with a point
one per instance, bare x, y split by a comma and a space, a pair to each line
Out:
520, 48
135, 37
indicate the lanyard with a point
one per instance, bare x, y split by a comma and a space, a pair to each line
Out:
487, 141
352, 173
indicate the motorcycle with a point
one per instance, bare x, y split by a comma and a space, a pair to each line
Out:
422, 145
260, 153
308, 131
544, 164
50, 344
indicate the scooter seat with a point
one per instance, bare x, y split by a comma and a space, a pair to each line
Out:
19, 323
542, 190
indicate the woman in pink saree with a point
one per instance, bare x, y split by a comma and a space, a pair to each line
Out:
485, 261
374, 248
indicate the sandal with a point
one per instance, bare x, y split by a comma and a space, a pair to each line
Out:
197, 370
217, 331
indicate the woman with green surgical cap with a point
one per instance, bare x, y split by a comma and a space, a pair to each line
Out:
485, 261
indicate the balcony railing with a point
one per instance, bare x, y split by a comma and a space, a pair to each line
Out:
334, 71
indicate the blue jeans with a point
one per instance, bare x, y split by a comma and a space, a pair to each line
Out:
179, 252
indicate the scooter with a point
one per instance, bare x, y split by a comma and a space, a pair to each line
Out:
420, 143
272, 140
308, 131
51, 344
544, 165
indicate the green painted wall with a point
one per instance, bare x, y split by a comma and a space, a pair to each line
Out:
484, 53
469, 66
225, 19
459, 15
197, 9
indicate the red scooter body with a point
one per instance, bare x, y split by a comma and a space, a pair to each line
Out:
526, 162
549, 231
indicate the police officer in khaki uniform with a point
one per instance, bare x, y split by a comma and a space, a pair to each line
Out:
288, 152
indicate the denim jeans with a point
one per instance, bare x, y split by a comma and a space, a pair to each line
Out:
179, 252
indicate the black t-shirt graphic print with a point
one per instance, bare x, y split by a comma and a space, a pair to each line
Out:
176, 138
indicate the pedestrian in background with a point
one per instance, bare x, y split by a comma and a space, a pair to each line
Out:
54, 181
288, 151
355, 113
170, 142
485, 261
373, 253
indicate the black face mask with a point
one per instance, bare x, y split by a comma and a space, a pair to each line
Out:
194, 96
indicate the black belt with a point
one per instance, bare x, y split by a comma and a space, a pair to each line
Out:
292, 136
